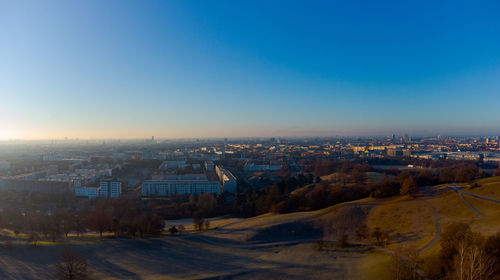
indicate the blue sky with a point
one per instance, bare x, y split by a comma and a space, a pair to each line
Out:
129, 69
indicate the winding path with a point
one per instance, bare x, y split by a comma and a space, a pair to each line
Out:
460, 194
475, 195
437, 220
249, 245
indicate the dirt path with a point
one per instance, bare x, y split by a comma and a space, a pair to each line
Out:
458, 189
460, 194
437, 220
480, 196
435, 240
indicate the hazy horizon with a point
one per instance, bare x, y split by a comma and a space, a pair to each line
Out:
194, 69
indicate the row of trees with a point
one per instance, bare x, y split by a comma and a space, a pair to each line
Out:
303, 192
120, 216
407, 182
307, 192
205, 205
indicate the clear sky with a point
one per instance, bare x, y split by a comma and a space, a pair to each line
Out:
131, 69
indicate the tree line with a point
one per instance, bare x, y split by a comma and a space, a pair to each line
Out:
348, 181
121, 216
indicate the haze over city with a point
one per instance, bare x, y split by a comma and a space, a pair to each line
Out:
278, 139
175, 69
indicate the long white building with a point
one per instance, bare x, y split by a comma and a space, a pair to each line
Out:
107, 189
180, 184
227, 179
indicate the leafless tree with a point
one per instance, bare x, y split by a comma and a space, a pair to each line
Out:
409, 187
345, 222
33, 238
405, 264
180, 228
472, 263
100, 221
72, 266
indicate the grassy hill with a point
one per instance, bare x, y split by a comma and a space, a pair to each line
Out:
281, 246
409, 222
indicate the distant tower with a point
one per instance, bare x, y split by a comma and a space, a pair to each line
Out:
393, 137
405, 137
152, 138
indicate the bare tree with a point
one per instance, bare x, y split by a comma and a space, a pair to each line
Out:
362, 232
345, 222
33, 238
405, 264
65, 220
180, 228
100, 221
198, 222
409, 187
72, 266
472, 263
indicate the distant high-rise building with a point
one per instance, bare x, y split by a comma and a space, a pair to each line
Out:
405, 137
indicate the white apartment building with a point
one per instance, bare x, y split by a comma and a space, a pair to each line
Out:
107, 189
180, 184
110, 189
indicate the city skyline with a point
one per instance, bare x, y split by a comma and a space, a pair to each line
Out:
179, 69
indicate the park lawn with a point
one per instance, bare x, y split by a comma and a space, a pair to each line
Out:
449, 206
490, 223
408, 220
489, 187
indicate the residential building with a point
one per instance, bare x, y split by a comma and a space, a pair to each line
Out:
110, 188
180, 184
226, 179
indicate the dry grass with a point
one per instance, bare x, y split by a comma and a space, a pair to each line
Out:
490, 223
449, 206
490, 187
410, 222
407, 221
179, 258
